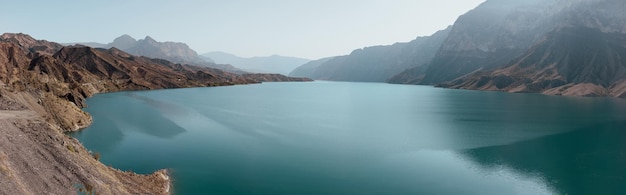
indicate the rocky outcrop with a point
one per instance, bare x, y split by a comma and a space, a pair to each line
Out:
42, 91
378, 63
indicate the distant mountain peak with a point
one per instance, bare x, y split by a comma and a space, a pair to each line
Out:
125, 36
149, 39
123, 42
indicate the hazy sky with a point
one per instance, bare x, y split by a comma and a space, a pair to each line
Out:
301, 28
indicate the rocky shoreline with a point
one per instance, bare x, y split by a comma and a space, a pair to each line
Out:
38, 158
43, 87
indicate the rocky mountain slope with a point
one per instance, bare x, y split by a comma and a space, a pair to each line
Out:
551, 47
488, 36
379, 63
41, 79
269, 64
586, 56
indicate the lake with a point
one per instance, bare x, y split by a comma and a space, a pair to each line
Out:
363, 138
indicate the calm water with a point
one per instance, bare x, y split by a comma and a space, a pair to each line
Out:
363, 138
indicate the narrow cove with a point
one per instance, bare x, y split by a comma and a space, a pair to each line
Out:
362, 138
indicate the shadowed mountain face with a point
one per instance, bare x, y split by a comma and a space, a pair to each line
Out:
270, 64
584, 56
570, 61
488, 36
378, 63
553, 47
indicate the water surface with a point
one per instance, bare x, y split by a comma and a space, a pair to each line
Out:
363, 138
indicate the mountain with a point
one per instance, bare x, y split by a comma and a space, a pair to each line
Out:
576, 61
77, 72
43, 88
377, 63
269, 64
172, 51
585, 56
123, 42
554, 47
308, 69
488, 36
28, 43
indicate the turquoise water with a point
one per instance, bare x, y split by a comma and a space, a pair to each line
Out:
363, 138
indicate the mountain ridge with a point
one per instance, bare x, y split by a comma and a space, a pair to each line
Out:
582, 56
176, 52
259, 64
377, 63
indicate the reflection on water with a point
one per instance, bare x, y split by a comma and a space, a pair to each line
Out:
590, 160
361, 138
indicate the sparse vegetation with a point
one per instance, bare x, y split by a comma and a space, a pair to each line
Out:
96, 156
3, 169
85, 189
70, 147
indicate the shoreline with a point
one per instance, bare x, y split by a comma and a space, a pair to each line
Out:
50, 82
37, 157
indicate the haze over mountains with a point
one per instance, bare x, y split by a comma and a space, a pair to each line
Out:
172, 51
270, 64
377, 63
544, 46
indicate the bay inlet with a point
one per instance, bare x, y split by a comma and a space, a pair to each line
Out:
362, 138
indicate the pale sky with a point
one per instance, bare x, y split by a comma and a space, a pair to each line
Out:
301, 28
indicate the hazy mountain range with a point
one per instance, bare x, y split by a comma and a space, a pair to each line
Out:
269, 64
172, 51
544, 46
377, 63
